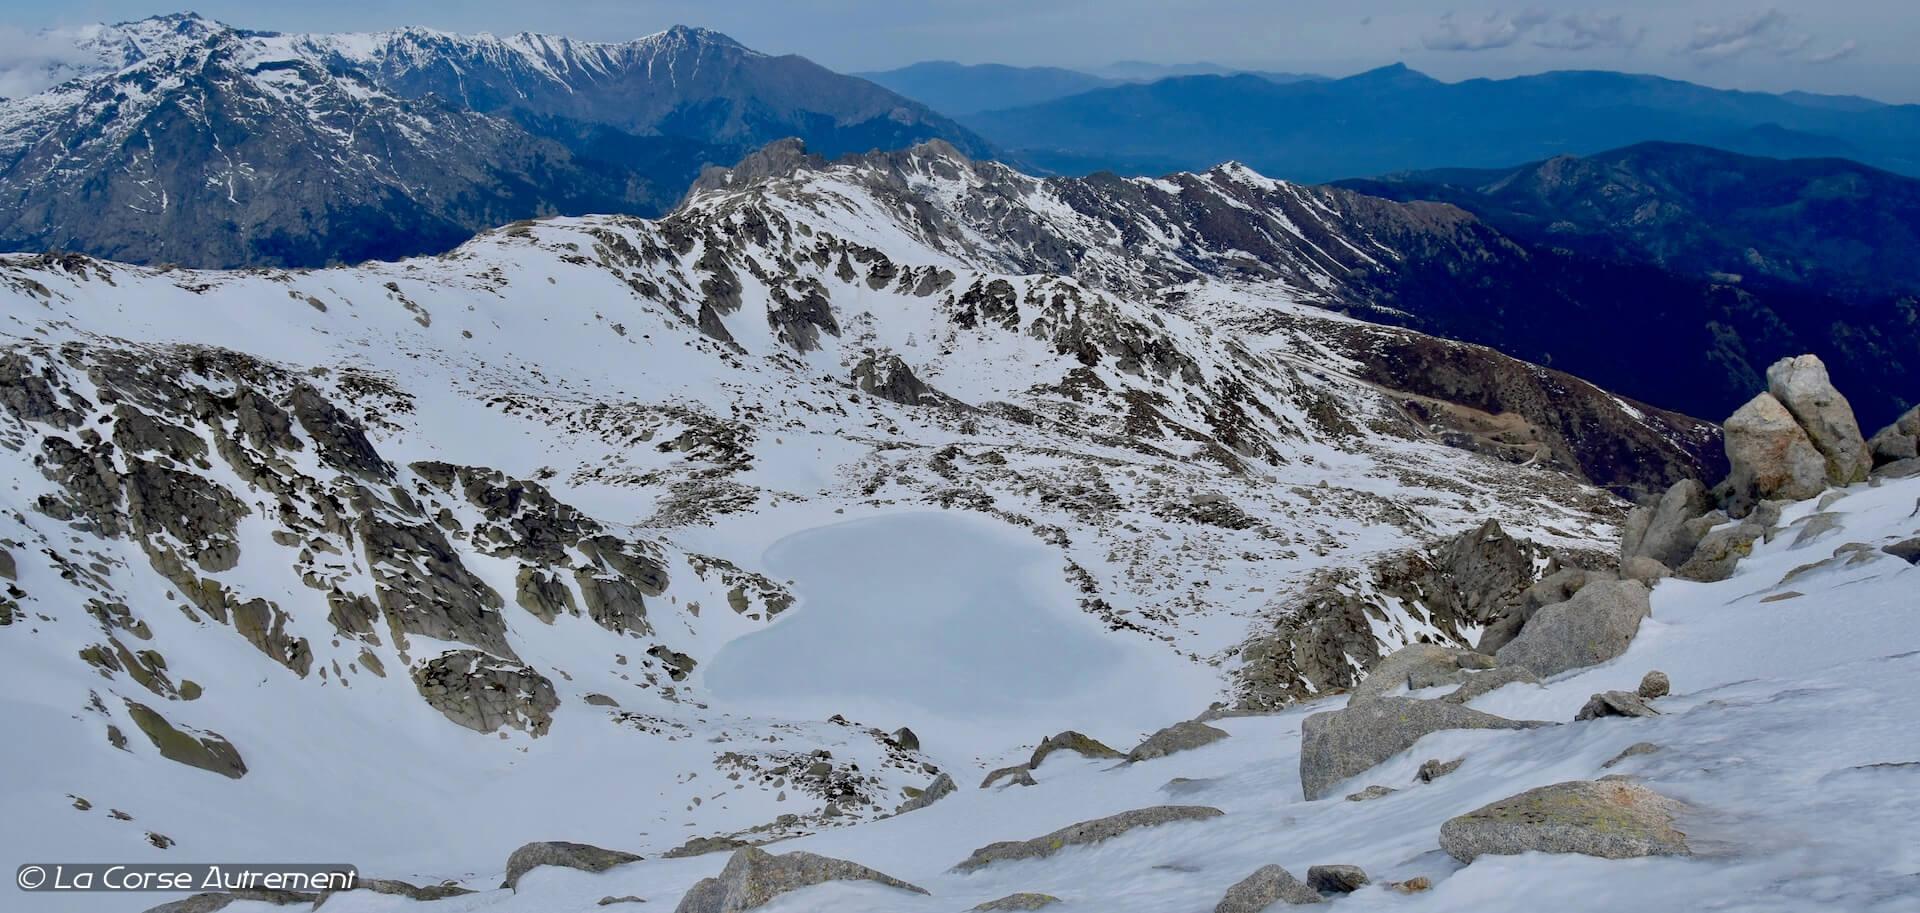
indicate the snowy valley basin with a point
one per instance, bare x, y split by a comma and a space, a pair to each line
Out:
957, 625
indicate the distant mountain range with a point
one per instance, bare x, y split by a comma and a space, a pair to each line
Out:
1826, 225
178, 139
1394, 119
957, 89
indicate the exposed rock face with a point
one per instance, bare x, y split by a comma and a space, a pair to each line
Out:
583, 856
1375, 791
1644, 569
1093, 831
1181, 736
484, 693
888, 377
1337, 879
1770, 454
1077, 742
1596, 625
1414, 666
1898, 441
207, 751
1483, 682
1016, 775
1434, 768
1802, 386
941, 787
1614, 819
754, 877
1660, 532
1631, 751
1338, 744
1268, 885
1021, 901
1654, 685
1615, 703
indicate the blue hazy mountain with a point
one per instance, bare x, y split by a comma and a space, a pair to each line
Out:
956, 89
1396, 119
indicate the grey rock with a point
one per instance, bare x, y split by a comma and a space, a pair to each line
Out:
1338, 744
1894, 443
1615, 703
1186, 786
1907, 550
941, 787
583, 856
1815, 526
485, 693
1720, 552
1481, 683
1433, 769
1596, 625
1337, 879
401, 889
1181, 736
1654, 684
1372, 792
1666, 537
754, 877
1631, 751
905, 739
1802, 386
1267, 886
1017, 775
208, 751
1079, 743
1644, 569
1085, 832
198, 903
888, 377
1771, 455
1429, 664
701, 846
1022, 901
1898, 469
610, 900
1614, 819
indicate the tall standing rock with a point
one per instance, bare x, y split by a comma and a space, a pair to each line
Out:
1660, 531
1771, 455
1801, 384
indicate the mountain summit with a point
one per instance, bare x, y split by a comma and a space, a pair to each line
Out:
178, 139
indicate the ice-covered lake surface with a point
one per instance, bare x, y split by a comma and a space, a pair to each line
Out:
948, 622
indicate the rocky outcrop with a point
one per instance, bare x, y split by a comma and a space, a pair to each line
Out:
754, 877
1660, 531
1337, 879
888, 377
1898, 441
941, 787
1480, 683
208, 751
1183, 736
1417, 666
1615, 703
1596, 625
485, 693
1085, 832
1614, 819
1016, 775
1770, 455
583, 856
1267, 886
1802, 386
1076, 742
1024, 900
1338, 744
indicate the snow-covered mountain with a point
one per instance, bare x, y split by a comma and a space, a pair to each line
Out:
176, 139
572, 503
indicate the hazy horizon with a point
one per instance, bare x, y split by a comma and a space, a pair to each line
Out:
1844, 47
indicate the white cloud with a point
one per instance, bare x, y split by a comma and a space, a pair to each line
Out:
1493, 30
1844, 50
1580, 31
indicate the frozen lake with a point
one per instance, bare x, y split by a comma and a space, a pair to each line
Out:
947, 616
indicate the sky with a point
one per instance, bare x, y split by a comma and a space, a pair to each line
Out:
1857, 47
